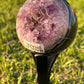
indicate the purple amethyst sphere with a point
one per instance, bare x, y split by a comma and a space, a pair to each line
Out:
41, 24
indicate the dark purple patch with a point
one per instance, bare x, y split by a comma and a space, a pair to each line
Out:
39, 38
52, 26
43, 10
28, 19
38, 15
35, 22
52, 9
31, 29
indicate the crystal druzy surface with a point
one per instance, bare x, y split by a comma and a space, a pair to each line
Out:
41, 24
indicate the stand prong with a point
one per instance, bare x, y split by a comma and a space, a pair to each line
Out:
44, 64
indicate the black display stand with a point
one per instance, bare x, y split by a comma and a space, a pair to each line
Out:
43, 64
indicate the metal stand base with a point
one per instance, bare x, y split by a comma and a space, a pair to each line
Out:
43, 64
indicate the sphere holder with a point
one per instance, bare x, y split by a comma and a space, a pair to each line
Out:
43, 64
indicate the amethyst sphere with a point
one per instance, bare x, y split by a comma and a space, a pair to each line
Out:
42, 24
